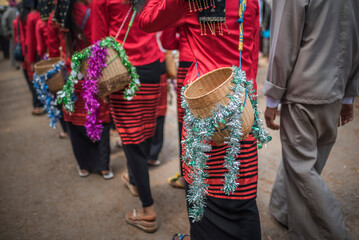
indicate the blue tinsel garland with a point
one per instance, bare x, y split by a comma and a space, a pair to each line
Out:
45, 96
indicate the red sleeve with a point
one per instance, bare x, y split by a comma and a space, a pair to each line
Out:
169, 39
14, 27
40, 38
31, 36
99, 15
255, 52
53, 39
159, 15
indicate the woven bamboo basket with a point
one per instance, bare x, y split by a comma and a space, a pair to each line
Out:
207, 91
115, 76
57, 81
171, 67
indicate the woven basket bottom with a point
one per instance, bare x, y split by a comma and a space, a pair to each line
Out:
118, 83
56, 82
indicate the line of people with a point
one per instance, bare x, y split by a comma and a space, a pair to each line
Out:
48, 29
207, 38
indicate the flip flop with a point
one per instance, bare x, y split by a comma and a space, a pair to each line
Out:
174, 181
149, 226
132, 188
180, 236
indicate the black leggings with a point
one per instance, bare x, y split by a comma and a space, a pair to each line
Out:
137, 155
35, 102
91, 156
157, 139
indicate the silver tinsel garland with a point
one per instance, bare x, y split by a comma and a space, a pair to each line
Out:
200, 131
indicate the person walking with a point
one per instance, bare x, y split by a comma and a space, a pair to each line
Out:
74, 29
314, 72
226, 216
175, 39
20, 36
135, 120
7, 29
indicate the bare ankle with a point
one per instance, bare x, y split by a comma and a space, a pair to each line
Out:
149, 211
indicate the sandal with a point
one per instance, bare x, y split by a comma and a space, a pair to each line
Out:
63, 135
83, 172
149, 226
132, 188
38, 111
174, 181
180, 236
108, 175
153, 163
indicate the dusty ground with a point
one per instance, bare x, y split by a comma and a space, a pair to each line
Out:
42, 197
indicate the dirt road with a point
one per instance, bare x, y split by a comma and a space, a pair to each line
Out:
42, 197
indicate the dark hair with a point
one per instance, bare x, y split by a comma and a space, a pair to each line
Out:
74, 33
23, 12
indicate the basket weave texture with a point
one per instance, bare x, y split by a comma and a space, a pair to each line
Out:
171, 67
57, 81
207, 91
115, 76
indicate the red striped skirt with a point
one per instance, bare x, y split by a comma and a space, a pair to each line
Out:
181, 75
247, 176
162, 104
135, 120
78, 117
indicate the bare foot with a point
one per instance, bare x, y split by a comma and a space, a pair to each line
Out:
177, 181
146, 214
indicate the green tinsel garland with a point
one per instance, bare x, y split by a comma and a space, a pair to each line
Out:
200, 131
67, 95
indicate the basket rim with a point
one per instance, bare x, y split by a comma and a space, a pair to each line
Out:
213, 90
44, 63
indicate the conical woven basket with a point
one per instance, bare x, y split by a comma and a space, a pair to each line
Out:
57, 81
204, 94
115, 76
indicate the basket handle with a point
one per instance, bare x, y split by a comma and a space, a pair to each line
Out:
129, 25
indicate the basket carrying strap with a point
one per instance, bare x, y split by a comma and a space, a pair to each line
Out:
83, 24
86, 17
241, 10
129, 24
18, 30
128, 29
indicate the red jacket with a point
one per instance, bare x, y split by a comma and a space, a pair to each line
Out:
141, 47
31, 20
53, 38
175, 39
22, 37
211, 52
41, 37
79, 116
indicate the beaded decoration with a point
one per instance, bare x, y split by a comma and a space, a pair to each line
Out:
45, 8
211, 15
